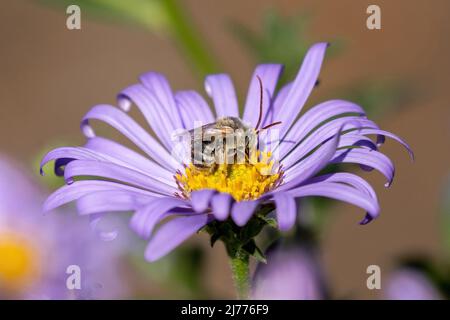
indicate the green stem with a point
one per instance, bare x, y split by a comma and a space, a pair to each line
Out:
241, 273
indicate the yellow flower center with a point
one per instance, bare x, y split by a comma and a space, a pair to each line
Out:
244, 181
18, 265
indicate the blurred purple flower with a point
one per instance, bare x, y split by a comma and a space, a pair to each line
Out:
36, 249
117, 178
291, 274
410, 284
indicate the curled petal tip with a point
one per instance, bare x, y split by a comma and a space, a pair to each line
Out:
124, 103
389, 182
87, 129
366, 219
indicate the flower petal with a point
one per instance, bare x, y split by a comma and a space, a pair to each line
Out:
242, 211
109, 201
286, 210
269, 74
340, 192
370, 158
172, 234
302, 86
133, 131
315, 117
356, 140
146, 218
347, 178
78, 189
156, 116
312, 164
193, 108
144, 166
160, 87
134, 159
321, 135
220, 88
277, 103
116, 173
390, 135
221, 205
200, 199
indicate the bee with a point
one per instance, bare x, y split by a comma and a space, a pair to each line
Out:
228, 140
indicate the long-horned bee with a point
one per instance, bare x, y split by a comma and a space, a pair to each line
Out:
226, 141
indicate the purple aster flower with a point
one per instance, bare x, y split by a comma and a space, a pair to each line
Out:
410, 284
155, 185
37, 249
290, 274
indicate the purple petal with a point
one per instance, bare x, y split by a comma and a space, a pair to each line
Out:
277, 103
383, 133
323, 134
340, 192
144, 166
134, 159
370, 158
116, 173
302, 86
351, 139
78, 189
286, 210
220, 88
347, 178
145, 219
200, 199
269, 74
160, 87
156, 116
133, 131
193, 108
311, 165
172, 234
220, 205
110, 201
242, 211
314, 117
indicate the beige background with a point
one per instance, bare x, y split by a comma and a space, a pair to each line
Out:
49, 77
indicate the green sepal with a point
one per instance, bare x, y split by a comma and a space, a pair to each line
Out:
252, 249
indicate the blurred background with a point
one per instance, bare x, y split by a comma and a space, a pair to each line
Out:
50, 76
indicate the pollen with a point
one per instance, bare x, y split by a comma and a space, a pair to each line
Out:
245, 181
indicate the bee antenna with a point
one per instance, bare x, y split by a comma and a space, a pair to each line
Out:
269, 126
260, 101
